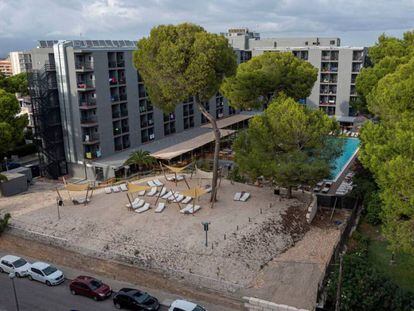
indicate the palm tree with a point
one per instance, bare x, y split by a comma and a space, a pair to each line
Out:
141, 158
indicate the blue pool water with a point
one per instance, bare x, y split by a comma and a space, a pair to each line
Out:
350, 146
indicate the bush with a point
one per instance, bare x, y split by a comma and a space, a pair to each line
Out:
235, 175
22, 150
4, 221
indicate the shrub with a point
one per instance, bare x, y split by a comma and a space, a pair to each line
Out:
4, 221
373, 209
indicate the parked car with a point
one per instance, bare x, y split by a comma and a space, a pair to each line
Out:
11, 263
90, 287
45, 273
133, 299
184, 305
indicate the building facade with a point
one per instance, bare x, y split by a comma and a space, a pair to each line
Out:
5, 67
20, 62
104, 107
337, 66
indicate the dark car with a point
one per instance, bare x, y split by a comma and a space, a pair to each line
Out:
90, 287
133, 299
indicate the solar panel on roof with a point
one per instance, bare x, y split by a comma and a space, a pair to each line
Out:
102, 43
95, 43
108, 42
88, 43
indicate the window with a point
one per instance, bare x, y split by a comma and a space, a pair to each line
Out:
7, 264
332, 42
36, 271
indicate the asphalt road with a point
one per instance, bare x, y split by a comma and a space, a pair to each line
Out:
35, 296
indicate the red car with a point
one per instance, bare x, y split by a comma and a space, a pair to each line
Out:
90, 287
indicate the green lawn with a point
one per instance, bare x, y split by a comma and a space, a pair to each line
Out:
401, 272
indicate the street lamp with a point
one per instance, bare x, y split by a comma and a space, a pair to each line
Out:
12, 275
205, 226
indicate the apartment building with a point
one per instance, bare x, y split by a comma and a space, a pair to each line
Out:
337, 66
104, 108
20, 62
5, 67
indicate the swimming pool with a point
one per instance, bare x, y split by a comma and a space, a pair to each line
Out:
350, 147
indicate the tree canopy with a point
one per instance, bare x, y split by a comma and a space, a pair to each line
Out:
387, 148
15, 84
263, 77
11, 125
140, 158
177, 62
288, 143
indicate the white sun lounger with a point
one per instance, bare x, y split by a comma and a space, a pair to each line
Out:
187, 200
141, 193
145, 208
137, 203
245, 197
171, 178
190, 209
116, 189
123, 187
163, 191
177, 198
151, 183
133, 202
208, 189
80, 201
158, 183
152, 192
108, 190
180, 177
160, 207
167, 195
237, 196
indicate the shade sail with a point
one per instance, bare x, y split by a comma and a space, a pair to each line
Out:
194, 192
136, 188
175, 169
77, 187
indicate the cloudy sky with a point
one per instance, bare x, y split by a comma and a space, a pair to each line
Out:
357, 22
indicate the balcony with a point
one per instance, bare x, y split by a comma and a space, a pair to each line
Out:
89, 121
50, 66
87, 104
93, 155
86, 86
116, 64
83, 66
90, 139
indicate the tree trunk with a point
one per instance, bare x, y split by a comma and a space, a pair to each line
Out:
216, 147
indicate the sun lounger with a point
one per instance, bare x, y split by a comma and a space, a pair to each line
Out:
245, 197
133, 202
141, 193
237, 196
163, 191
186, 208
190, 209
116, 189
151, 183
208, 189
167, 195
180, 177
137, 203
187, 200
171, 178
108, 190
77, 201
160, 207
177, 198
158, 183
152, 192
123, 187
145, 208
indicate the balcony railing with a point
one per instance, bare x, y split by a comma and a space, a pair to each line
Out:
86, 85
90, 139
85, 66
123, 97
89, 121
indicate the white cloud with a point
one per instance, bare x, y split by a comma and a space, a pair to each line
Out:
359, 22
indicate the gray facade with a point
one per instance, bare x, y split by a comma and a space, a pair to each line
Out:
104, 107
337, 66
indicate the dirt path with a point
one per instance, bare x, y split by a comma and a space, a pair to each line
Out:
114, 270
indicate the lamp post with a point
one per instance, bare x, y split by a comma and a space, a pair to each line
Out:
205, 227
7, 167
12, 275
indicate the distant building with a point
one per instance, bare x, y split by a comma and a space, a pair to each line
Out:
20, 62
337, 66
5, 67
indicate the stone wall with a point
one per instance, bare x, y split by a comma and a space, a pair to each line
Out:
256, 304
312, 209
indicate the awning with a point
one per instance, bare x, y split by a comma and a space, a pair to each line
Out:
188, 145
234, 119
